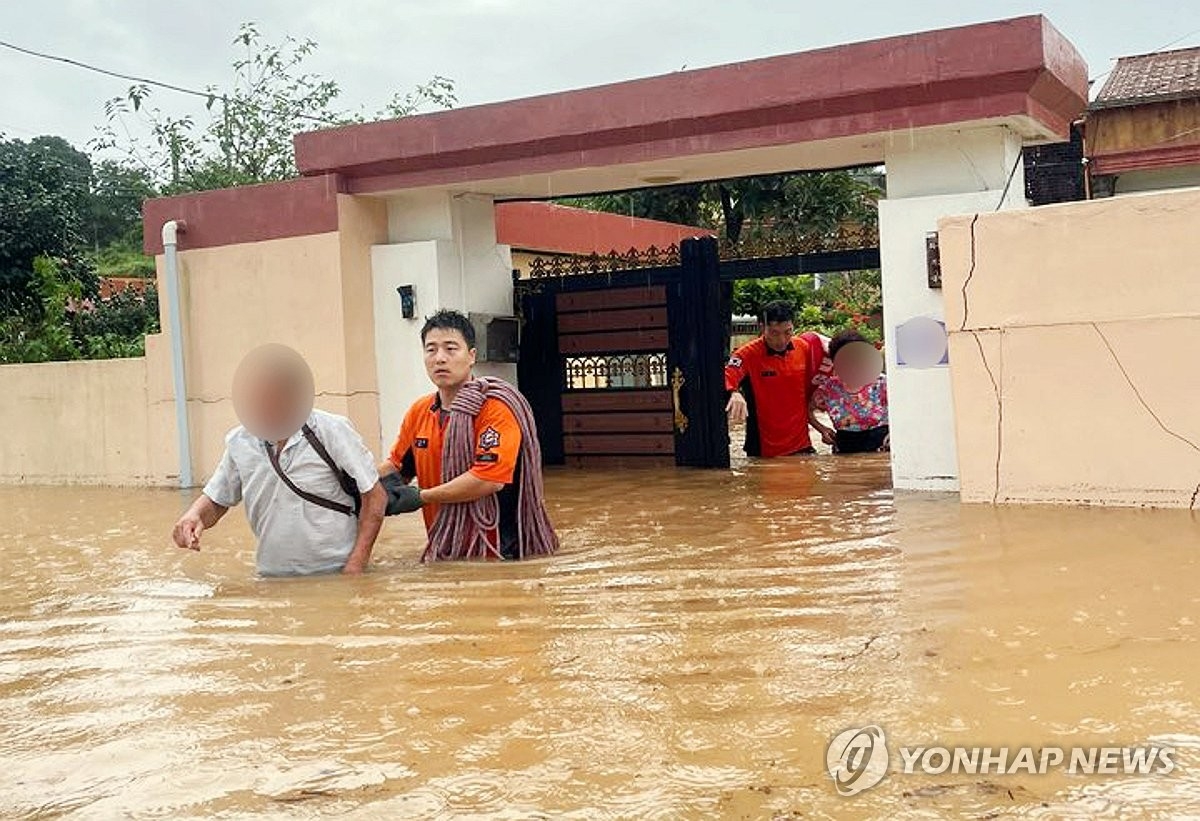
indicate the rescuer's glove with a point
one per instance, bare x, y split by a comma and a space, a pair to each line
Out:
402, 498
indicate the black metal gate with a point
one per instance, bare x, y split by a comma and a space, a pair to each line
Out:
614, 357
621, 355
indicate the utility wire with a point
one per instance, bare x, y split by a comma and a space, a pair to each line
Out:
1163, 47
206, 95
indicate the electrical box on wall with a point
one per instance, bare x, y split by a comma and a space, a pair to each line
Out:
933, 260
496, 337
408, 302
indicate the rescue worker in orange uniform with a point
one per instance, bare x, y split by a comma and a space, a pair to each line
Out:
770, 382
449, 341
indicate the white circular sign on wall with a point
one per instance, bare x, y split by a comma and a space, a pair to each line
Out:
921, 342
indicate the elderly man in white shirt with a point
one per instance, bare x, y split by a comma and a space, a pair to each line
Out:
311, 487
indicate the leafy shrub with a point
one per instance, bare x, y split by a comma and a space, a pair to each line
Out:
849, 300
70, 326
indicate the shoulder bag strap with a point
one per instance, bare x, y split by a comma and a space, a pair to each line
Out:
320, 501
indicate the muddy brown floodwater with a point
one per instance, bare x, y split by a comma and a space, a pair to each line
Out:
689, 654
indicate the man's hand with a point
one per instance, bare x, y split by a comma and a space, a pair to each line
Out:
828, 435
736, 407
187, 531
354, 567
204, 513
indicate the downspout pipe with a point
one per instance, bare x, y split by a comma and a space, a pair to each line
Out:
170, 239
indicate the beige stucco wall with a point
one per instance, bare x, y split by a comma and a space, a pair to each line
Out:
113, 421
239, 296
310, 292
1073, 370
85, 420
362, 223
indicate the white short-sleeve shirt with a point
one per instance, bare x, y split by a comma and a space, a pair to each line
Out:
295, 537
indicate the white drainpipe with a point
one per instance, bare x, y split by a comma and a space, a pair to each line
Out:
170, 230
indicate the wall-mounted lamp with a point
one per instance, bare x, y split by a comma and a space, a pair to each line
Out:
408, 302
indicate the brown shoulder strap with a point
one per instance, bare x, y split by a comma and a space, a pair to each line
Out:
320, 501
311, 436
349, 486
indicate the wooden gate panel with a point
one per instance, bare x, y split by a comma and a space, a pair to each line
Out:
616, 319
652, 339
623, 444
621, 353
615, 422
611, 298
613, 348
615, 401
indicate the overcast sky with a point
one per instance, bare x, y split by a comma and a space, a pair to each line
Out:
492, 49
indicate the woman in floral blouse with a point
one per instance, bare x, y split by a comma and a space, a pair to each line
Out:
854, 395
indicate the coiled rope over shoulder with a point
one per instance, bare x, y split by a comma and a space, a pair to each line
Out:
461, 529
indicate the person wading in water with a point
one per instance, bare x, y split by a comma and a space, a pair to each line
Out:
312, 493
769, 382
472, 446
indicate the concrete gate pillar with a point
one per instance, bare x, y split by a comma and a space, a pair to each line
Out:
930, 175
443, 245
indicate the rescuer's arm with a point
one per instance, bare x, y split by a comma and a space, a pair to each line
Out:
466, 487
828, 435
735, 372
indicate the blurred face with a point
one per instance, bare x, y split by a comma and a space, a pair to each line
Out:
857, 364
778, 334
273, 392
448, 360
270, 408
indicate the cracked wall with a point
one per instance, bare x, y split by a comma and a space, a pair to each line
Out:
1074, 331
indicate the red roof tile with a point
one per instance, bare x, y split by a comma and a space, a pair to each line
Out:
1149, 78
544, 226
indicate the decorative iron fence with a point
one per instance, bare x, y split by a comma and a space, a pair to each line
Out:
614, 261
616, 372
846, 237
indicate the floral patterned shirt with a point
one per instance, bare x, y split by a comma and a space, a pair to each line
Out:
863, 409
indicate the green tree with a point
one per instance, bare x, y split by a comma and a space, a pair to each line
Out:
114, 224
749, 295
247, 137
682, 204
123, 259
44, 206
853, 299
776, 206
115, 204
117, 326
773, 205
43, 335
803, 204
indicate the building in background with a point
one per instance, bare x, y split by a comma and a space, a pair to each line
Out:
543, 229
1143, 128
